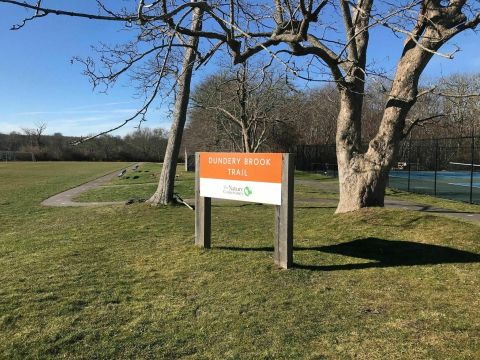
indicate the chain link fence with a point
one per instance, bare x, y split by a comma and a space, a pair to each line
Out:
6, 156
316, 158
444, 167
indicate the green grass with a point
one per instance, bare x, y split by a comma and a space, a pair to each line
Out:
127, 282
433, 201
310, 186
306, 175
140, 184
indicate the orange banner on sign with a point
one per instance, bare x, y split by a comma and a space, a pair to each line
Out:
261, 167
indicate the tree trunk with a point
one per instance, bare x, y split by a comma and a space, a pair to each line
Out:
362, 184
165, 189
362, 179
363, 175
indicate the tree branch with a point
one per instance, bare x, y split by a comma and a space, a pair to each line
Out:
417, 122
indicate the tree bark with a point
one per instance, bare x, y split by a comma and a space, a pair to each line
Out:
246, 139
363, 175
164, 193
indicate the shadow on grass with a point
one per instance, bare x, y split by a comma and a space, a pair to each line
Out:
384, 253
403, 225
432, 209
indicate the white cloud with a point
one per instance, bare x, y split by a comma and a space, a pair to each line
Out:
6, 128
82, 121
73, 112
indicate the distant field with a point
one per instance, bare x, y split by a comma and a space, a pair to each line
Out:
123, 282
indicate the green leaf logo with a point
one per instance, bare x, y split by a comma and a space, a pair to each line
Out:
247, 191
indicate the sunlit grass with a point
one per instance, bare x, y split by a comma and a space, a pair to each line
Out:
127, 281
433, 201
140, 185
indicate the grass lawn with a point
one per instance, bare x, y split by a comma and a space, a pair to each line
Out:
140, 184
127, 282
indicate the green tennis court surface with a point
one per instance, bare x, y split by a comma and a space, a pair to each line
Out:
455, 185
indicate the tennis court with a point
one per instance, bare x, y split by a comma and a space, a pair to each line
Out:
455, 185
442, 167
447, 168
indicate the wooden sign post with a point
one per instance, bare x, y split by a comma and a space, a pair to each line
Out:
283, 246
261, 178
203, 211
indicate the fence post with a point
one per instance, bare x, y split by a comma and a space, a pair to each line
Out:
409, 162
472, 168
186, 160
436, 168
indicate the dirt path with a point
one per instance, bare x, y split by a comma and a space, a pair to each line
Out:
65, 198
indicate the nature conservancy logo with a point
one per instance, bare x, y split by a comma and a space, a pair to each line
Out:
237, 190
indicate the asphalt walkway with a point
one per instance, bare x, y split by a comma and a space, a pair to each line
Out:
65, 199
332, 187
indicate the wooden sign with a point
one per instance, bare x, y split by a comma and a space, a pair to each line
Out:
245, 177
261, 177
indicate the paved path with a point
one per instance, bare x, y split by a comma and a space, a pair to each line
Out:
464, 215
66, 198
332, 187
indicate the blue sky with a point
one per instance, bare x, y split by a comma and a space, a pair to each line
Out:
40, 84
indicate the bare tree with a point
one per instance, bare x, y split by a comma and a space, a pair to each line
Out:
313, 114
164, 193
243, 103
333, 38
446, 107
463, 108
149, 144
35, 134
150, 67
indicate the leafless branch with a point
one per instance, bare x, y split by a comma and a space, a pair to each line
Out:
417, 122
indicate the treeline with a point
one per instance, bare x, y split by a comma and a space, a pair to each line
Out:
142, 145
248, 111
235, 112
